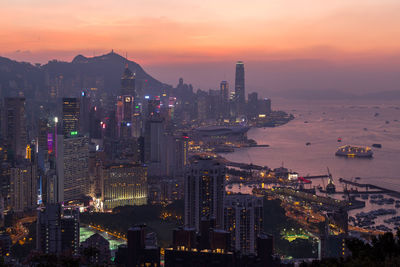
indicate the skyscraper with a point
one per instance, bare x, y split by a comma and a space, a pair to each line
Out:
128, 83
224, 91
154, 144
204, 191
239, 84
85, 108
13, 124
243, 218
23, 186
223, 108
72, 167
70, 116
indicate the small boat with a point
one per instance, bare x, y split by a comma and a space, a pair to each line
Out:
308, 143
305, 121
377, 145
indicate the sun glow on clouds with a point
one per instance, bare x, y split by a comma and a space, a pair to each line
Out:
157, 31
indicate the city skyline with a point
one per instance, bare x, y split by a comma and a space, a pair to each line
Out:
182, 133
172, 41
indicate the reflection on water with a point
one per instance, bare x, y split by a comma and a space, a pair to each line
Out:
356, 123
326, 123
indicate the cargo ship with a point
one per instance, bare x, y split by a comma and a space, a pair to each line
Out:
354, 151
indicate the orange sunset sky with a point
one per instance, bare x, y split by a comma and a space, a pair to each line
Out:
156, 32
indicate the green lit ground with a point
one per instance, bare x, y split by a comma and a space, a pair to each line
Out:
86, 232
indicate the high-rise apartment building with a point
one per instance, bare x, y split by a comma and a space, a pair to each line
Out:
70, 116
243, 218
85, 107
204, 191
72, 167
224, 91
224, 99
154, 144
123, 184
57, 229
23, 186
13, 126
239, 84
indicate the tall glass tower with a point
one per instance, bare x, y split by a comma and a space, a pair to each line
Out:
239, 83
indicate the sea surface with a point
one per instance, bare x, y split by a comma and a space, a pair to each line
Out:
321, 123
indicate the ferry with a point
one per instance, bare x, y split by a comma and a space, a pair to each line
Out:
354, 151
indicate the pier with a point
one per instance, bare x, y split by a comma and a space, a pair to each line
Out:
377, 189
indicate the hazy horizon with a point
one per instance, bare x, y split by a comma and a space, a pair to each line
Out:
286, 45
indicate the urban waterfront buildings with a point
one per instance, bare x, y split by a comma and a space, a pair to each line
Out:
104, 147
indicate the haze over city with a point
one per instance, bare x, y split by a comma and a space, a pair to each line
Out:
225, 133
350, 46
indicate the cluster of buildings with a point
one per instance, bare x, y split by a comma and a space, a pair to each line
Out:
62, 156
219, 229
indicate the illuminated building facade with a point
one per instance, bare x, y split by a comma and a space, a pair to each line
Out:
129, 123
243, 218
123, 184
70, 115
23, 187
204, 192
72, 167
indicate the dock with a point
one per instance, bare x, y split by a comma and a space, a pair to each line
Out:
377, 189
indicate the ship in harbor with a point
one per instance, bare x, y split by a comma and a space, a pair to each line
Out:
354, 151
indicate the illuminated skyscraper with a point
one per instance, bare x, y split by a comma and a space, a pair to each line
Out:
240, 96
243, 218
70, 115
13, 124
128, 83
204, 192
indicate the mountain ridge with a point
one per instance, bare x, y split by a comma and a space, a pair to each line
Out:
82, 72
